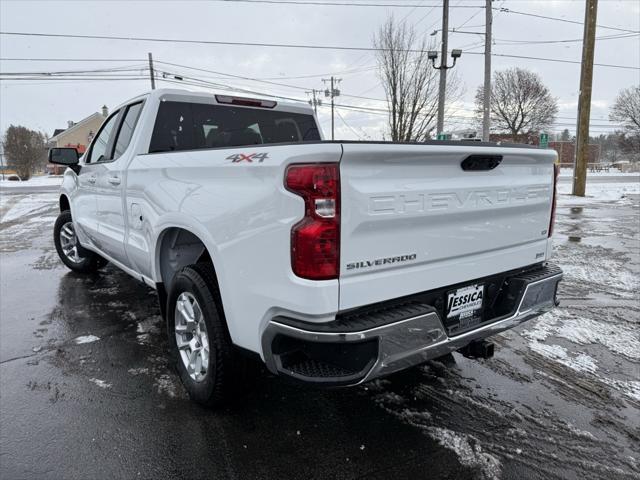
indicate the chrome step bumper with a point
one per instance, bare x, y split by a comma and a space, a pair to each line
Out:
335, 355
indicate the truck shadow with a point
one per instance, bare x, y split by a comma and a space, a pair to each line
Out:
278, 430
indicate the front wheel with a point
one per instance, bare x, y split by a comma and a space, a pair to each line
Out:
69, 249
212, 372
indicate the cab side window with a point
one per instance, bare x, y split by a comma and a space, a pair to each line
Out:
127, 127
98, 151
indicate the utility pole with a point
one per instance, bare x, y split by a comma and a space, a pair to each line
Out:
151, 73
314, 101
584, 101
334, 92
486, 107
443, 66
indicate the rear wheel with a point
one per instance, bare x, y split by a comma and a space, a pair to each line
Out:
208, 365
69, 249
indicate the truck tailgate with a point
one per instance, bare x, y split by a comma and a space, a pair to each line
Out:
414, 220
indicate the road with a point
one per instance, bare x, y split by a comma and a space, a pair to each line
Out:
86, 390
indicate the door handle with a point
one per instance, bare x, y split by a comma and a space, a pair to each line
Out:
92, 179
114, 180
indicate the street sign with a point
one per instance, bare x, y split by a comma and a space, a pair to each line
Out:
443, 136
544, 140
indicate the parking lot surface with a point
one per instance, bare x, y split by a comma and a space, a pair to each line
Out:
87, 390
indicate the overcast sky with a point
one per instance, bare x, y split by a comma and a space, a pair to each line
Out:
46, 104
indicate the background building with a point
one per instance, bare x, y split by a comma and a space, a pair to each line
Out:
77, 135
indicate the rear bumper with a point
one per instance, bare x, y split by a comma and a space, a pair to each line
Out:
358, 349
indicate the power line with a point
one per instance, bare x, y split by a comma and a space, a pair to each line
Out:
363, 109
348, 126
344, 4
506, 41
129, 68
298, 87
46, 75
193, 81
557, 60
253, 79
230, 75
557, 19
469, 19
12, 59
414, 6
98, 60
285, 45
51, 79
203, 42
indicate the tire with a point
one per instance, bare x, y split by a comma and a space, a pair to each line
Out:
69, 249
225, 375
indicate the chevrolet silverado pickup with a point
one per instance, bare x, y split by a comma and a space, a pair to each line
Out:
334, 262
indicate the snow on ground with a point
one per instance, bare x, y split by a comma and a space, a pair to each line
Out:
13, 208
598, 192
568, 172
621, 339
468, 450
86, 339
39, 181
100, 383
618, 338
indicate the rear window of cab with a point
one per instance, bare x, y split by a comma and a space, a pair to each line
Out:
189, 126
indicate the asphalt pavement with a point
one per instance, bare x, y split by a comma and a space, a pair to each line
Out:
86, 390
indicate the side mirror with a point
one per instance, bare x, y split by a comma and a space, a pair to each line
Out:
64, 156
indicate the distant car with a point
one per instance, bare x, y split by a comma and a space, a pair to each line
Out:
333, 262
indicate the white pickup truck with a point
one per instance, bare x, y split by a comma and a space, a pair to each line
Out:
334, 262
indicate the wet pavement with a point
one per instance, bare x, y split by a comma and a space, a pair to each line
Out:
86, 390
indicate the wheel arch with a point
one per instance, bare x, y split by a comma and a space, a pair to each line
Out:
177, 247
64, 203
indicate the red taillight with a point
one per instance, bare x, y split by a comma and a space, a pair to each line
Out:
315, 240
556, 173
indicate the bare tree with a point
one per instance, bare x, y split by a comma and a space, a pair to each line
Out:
520, 103
24, 149
626, 110
409, 81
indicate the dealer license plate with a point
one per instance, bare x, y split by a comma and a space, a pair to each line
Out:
465, 302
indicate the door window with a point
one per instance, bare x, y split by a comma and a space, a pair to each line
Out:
98, 151
126, 129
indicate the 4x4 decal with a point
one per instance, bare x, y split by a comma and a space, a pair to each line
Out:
248, 157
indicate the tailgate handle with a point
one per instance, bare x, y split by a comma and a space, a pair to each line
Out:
481, 162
